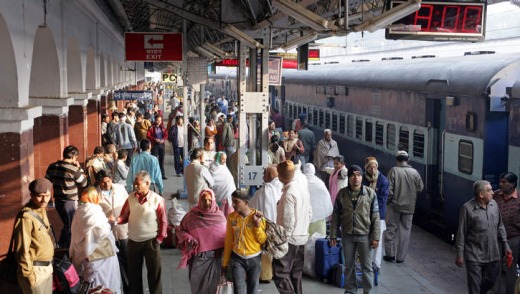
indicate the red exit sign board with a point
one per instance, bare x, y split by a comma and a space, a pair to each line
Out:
153, 46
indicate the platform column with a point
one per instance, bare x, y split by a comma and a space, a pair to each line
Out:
50, 132
16, 164
94, 122
78, 124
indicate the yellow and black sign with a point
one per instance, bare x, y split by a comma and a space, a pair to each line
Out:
169, 78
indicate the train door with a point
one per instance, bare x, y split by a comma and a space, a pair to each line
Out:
495, 146
435, 118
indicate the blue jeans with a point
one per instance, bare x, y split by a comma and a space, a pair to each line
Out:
246, 274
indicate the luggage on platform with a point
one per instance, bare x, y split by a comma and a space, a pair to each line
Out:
326, 257
338, 275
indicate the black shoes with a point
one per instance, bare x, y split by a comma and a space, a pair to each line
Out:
164, 178
389, 258
399, 261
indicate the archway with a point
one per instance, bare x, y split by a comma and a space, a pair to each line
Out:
74, 68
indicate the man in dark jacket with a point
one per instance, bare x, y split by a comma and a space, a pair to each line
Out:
356, 210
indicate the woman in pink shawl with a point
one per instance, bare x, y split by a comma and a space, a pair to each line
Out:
201, 236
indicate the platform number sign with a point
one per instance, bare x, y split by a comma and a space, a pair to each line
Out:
252, 176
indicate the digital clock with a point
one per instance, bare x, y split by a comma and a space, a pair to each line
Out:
441, 21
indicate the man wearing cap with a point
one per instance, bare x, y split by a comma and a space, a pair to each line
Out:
379, 183
34, 247
294, 214
404, 184
356, 211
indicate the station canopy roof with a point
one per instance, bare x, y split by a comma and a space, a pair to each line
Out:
220, 23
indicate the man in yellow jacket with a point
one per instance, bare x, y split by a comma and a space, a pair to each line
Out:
245, 235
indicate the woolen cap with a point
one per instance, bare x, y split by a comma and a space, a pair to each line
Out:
354, 168
39, 186
286, 169
370, 160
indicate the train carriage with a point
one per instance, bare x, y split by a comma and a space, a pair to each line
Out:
452, 115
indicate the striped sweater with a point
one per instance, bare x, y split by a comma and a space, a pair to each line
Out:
66, 178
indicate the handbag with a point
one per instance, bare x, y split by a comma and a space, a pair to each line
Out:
225, 287
9, 265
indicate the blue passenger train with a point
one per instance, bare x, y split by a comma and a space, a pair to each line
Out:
457, 117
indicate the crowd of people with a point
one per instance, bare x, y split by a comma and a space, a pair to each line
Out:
115, 218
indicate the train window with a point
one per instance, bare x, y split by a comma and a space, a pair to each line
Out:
315, 117
359, 128
350, 126
321, 118
418, 143
404, 140
320, 90
330, 90
380, 128
309, 115
304, 110
390, 136
466, 157
285, 108
299, 111
327, 120
368, 130
342, 124
335, 122
340, 90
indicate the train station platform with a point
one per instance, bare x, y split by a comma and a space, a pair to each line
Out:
429, 268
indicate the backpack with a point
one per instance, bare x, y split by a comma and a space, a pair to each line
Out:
276, 244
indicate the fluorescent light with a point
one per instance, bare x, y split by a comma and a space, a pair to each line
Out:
303, 15
299, 41
214, 49
206, 53
241, 36
388, 17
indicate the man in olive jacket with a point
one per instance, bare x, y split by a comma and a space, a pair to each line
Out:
356, 210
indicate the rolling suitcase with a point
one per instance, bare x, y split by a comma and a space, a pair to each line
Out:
326, 257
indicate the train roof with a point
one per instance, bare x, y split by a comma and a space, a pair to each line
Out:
465, 75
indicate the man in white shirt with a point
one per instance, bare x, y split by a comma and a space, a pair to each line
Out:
294, 215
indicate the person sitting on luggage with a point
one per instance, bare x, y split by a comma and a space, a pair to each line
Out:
356, 210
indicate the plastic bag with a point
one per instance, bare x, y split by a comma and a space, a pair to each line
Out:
310, 254
176, 213
225, 287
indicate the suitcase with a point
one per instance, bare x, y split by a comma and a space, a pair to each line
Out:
326, 257
338, 275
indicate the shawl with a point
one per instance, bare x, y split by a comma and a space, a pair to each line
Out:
224, 182
323, 150
206, 227
320, 201
89, 227
372, 179
337, 181
266, 198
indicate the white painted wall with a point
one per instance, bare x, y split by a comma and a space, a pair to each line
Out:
80, 20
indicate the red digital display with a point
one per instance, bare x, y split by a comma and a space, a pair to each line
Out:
441, 21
